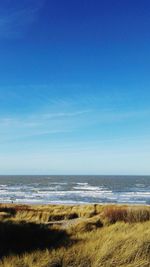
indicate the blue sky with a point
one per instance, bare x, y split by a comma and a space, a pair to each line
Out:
74, 87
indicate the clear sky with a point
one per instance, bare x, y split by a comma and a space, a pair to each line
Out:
74, 87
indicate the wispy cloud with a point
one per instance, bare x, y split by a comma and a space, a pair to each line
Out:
39, 112
15, 19
38, 119
63, 121
65, 114
16, 127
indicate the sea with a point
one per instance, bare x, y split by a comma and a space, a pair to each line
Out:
68, 189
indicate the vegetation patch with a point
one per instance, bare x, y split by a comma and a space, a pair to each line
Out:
74, 236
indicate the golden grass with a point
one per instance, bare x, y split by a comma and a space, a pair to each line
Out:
74, 236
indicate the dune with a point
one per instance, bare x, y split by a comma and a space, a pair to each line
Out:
74, 235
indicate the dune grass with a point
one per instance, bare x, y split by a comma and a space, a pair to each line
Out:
74, 236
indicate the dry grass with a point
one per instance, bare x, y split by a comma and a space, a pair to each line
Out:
74, 236
127, 214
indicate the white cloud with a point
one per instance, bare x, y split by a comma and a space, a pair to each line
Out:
15, 20
65, 120
38, 124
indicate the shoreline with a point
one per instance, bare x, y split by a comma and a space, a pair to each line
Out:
75, 204
75, 190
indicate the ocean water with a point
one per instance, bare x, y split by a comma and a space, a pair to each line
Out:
75, 189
